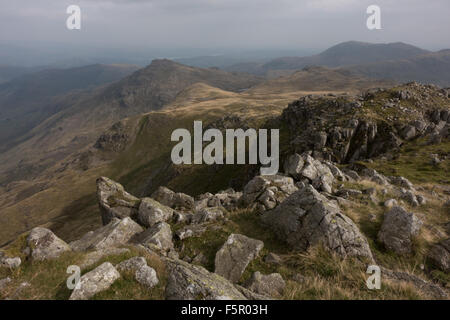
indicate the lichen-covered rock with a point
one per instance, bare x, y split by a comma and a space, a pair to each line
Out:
146, 276
132, 264
95, 281
158, 237
173, 200
114, 201
271, 285
116, 233
95, 256
235, 255
152, 212
440, 255
45, 245
266, 192
307, 219
208, 215
398, 228
191, 282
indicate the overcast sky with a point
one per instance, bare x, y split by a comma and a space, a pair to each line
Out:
246, 24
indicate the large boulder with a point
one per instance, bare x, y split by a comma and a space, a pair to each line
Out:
152, 212
271, 285
191, 282
398, 229
116, 233
114, 201
440, 255
95, 281
307, 219
158, 237
266, 192
234, 256
45, 245
173, 200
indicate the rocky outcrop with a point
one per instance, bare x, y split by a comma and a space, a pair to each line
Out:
95, 281
234, 256
44, 244
307, 219
191, 282
116, 233
152, 212
228, 199
266, 192
114, 201
439, 255
398, 229
173, 200
271, 285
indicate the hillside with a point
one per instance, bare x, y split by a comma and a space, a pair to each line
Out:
356, 168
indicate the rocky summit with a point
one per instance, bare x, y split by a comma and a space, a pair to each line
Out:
363, 181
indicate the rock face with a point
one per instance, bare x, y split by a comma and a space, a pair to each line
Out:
45, 245
114, 201
397, 230
440, 255
266, 192
173, 200
158, 237
234, 256
116, 233
152, 212
191, 282
271, 285
95, 281
308, 219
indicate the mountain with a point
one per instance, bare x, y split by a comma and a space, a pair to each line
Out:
343, 54
433, 68
8, 73
28, 100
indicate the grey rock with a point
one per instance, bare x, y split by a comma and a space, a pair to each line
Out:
45, 245
191, 282
271, 285
10, 263
173, 200
273, 258
114, 201
147, 276
190, 231
234, 256
308, 219
390, 203
402, 182
95, 281
398, 228
440, 255
158, 237
114, 234
93, 257
152, 212
208, 215
132, 264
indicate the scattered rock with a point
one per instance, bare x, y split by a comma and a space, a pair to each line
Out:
95, 256
95, 281
10, 263
131, 265
390, 203
440, 255
234, 256
308, 219
274, 259
5, 282
45, 245
146, 276
208, 215
158, 237
173, 200
272, 284
114, 201
397, 230
152, 212
191, 282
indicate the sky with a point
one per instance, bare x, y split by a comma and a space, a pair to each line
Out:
216, 24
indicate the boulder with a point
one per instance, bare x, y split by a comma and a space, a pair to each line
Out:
158, 237
191, 282
146, 276
266, 192
116, 233
95, 256
397, 230
152, 212
402, 182
234, 256
95, 281
271, 285
45, 245
439, 255
131, 265
307, 219
208, 215
114, 201
190, 231
173, 200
